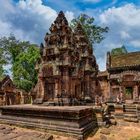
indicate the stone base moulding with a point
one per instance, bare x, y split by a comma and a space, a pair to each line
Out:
77, 121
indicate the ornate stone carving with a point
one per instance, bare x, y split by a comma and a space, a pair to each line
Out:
63, 52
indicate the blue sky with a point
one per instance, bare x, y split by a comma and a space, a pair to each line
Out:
31, 19
82, 5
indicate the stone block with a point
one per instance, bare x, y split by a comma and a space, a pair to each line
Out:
105, 131
77, 121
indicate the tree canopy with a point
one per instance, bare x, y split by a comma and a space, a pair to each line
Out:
2, 64
119, 51
12, 47
22, 56
24, 74
94, 33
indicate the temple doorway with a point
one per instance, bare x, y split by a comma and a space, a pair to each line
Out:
50, 91
115, 93
128, 93
77, 91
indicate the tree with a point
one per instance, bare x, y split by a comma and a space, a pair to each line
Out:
2, 63
12, 47
1, 72
24, 73
93, 32
22, 56
119, 51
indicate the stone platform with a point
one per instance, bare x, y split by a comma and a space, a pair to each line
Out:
77, 121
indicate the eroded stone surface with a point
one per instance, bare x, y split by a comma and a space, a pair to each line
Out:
67, 69
16, 133
12, 133
76, 121
105, 131
118, 132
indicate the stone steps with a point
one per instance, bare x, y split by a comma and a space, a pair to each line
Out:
131, 113
131, 110
138, 114
131, 119
130, 107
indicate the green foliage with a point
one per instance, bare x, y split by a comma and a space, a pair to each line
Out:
93, 32
1, 72
12, 47
119, 51
2, 63
22, 56
24, 74
129, 90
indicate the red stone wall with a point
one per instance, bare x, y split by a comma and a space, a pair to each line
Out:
103, 88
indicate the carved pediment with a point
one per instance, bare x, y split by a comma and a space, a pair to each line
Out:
128, 78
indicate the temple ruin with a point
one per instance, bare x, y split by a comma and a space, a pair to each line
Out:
68, 75
121, 80
10, 95
67, 70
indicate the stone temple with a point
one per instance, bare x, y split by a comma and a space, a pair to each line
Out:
122, 78
68, 75
67, 69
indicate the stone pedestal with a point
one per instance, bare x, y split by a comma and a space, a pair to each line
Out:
77, 121
118, 111
99, 115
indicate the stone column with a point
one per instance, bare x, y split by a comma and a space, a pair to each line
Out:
110, 90
72, 87
109, 84
22, 98
4, 99
42, 89
56, 88
121, 92
80, 92
87, 95
135, 92
88, 88
66, 82
10, 100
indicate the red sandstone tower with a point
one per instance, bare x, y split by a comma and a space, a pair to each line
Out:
67, 70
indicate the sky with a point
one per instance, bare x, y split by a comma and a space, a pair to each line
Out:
30, 20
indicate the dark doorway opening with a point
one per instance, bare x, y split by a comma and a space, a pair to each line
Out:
129, 93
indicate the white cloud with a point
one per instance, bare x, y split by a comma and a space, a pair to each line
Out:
128, 15
135, 43
124, 24
30, 20
37, 7
27, 19
69, 15
5, 28
124, 35
34, 19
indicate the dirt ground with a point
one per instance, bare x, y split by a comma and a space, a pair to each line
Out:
122, 131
